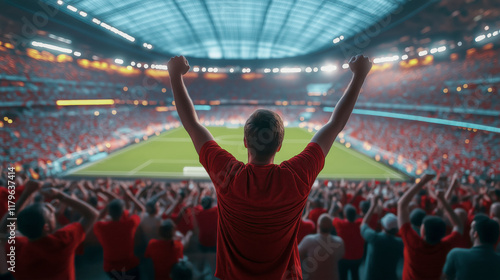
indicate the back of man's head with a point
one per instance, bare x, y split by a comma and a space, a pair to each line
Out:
167, 229
487, 230
325, 224
151, 207
206, 202
264, 132
350, 213
115, 209
495, 210
31, 221
183, 270
417, 216
434, 229
365, 206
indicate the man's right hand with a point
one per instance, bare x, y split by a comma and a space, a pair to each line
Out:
360, 65
178, 65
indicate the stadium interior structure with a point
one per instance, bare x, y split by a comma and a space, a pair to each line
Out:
449, 84
85, 90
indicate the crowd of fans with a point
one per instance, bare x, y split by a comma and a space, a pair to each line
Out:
459, 83
161, 230
41, 136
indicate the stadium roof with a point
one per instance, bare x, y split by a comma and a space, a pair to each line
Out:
233, 29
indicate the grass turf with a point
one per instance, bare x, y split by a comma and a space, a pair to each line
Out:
167, 155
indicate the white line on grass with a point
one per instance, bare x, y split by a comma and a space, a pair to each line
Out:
112, 155
140, 167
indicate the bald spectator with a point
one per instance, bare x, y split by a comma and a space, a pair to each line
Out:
321, 252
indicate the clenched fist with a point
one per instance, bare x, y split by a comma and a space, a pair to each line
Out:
178, 65
360, 65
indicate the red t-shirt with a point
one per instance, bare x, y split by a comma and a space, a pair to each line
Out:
421, 259
260, 208
350, 232
306, 227
314, 215
50, 257
117, 241
164, 253
207, 224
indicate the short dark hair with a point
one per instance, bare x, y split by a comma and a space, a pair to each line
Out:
115, 208
417, 216
166, 229
264, 132
350, 213
488, 231
151, 207
31, 220
206, 202
183, 270
365, 206
435, 229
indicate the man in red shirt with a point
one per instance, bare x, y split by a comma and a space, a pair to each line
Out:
43, 252
424, 256
349, 230
166, 252
116, 236
260, 203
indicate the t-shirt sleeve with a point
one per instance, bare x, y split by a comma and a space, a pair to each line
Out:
308, 163
367, 233
450, 266
453, 239
409, 236
72, 234
220, 165
147, 253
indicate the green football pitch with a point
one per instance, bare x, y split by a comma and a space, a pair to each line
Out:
172, 155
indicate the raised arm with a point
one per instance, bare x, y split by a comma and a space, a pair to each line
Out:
360, 66
178, 66
455, 220
89, 214
373, 206
404, 201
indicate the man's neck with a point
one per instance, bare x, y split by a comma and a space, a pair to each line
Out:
255, 161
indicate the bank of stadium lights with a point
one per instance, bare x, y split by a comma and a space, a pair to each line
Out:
146, 66
489, 35
231, 70
77, 54
132, 63
196, 69
422, 53
60, 39
118, 32
147, 46
404, 57
328, 68
338, 39
246, 70
96, 21
308, 69
51, 47
72, 8
276, 70
139, 65
385, 59
59, 2
345, 66
119, 61
83, 14
159, 66
290, 70
439, 49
